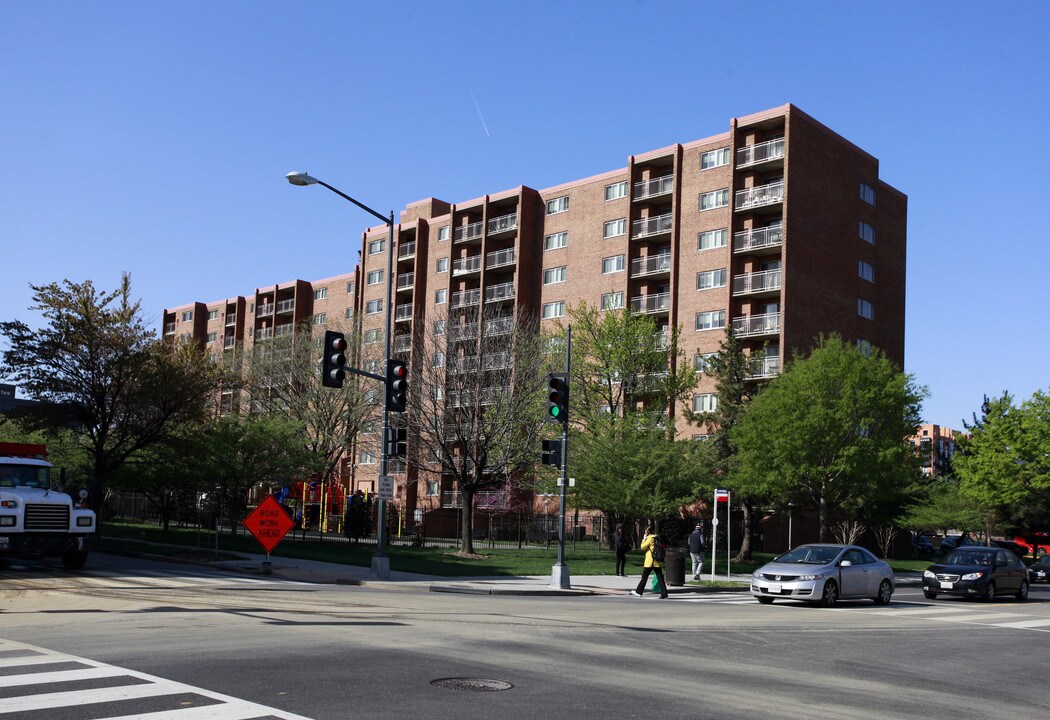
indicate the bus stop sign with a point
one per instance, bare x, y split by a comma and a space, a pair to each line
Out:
269, 523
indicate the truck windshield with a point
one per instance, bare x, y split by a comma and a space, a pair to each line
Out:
24, 476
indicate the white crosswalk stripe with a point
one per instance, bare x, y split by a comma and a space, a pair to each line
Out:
15, 656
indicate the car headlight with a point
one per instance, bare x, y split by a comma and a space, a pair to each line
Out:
810, 577
929, 574
7, 520
972, 576
9, 503
756, 575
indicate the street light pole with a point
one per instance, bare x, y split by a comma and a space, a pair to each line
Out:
380, 560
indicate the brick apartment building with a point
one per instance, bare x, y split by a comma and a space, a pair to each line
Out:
779, 227
936, 444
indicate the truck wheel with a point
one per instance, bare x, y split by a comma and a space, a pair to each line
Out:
74, 560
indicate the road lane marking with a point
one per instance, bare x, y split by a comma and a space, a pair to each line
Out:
1023, 624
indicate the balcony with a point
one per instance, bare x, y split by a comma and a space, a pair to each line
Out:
761, 196
757, 325
264, 310
496, 361
761, 153
406, 281
762, 368
169, 328
466, 266
469, 233
502, 224
402, 343
263, 333
458, 333
229, 342
652, 304
758, 240
500, 326
651, 227
489, 396
766, 282
282, 330
654, 188
465, 298
406, 250
496, 293
231, 319
651, 265
500, 258
403, 312
286, 306
460, 365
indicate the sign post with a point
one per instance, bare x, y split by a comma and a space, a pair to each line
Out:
721, 496
268, 524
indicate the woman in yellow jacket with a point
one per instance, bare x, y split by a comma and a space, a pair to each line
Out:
649, 541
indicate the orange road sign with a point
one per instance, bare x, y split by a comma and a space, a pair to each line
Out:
268, 523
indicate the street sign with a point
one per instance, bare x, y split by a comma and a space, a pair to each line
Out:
269, 523
386, 487
572, 482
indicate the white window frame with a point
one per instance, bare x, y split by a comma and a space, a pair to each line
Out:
701, 362
374, 277
444, 232
555, 241
373, 307
349, 312
320, 319
366, 457
553, 310
618, 264
213, 336
710, 320
558, 205
711, 279
213, 314
714, 238
618, 190
441, 265
321, 294
865, 309
866, 271
614, 228
350, 288
187, 315
440, 296
372, 336
612, 300
714, 158
714, 199
376, 246
439, 327
867, 232
438, 361
705, 402
553, 276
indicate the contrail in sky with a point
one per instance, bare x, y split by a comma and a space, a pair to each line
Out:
483, 123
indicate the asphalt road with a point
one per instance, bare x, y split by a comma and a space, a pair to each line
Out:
199, 643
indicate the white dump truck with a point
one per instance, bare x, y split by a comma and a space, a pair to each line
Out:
36, 520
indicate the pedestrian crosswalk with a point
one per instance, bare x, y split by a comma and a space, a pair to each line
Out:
141, 580
35, 682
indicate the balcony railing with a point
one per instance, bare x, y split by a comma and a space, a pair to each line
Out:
766, 367
462, 332
651, 265
504, 223
758, 239
500, 326
756, 282
402, 342
653, 188
503, 291
286, 306
770, 194
500, 258
264, 310
465, 298
403, 312
496, 361
263, 333
465, 233
229, 342
647, 227
465, 364
467, 265
169, 328
406, 250
760, 153
406, 280
658, 303
751, 325
282, 330
231, 319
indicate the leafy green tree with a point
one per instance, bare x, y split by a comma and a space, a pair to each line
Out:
937, 504
168, 475
831, 432
102, 375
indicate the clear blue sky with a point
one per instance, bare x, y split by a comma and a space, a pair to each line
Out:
154, 137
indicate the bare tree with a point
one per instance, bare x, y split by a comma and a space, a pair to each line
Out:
474, 414
848, 532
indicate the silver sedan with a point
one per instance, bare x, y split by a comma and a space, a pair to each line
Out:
825, 574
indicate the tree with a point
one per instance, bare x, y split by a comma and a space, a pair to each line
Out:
102, 375
831, 432
168, 475
474, 403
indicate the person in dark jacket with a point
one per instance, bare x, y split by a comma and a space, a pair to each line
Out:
621, 545
697, 546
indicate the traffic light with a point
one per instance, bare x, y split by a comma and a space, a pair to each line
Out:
334, 359
396, 385
396, 443
558, 398
552, 453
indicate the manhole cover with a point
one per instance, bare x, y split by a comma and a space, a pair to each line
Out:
472, 684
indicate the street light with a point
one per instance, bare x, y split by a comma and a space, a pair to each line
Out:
380, 560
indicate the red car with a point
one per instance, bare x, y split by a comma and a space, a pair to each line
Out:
1036, 544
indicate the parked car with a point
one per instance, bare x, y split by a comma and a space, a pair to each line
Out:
981, 572
1016, 548
1035, 544
922, 544
825, 574
950, 542
1040, 571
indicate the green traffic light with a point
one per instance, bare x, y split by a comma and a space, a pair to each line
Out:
555, 411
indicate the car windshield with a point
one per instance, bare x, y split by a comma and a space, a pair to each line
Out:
810, 555
24, 476
971, 558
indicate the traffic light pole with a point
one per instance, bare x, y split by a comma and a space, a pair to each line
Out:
560, 571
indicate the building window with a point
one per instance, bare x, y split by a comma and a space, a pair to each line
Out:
443, 232
554, 275
615, 228
371, 366
867, 233
212, 337
440, 296
702, 362
187, 316
366, 458
711, 320
612, 264
375, 277
320, 318
349, 313
438, 361
616, 191
714, 199
555, 241
705, 402
558, 205
371, 337
714, 158
709, 279
321, 294
442, 265
213, 314
376, 246
867, 193
864, 346
865, 309
612, 301
350, 288
712, 239
866, 271
433, 488
373, 306
439, 327
554, 310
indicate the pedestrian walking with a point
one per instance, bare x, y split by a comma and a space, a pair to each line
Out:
654, 562
697, 548
621, 545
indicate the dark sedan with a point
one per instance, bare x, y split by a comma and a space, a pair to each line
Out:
1040, 571
981, 572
